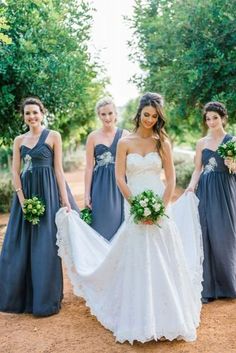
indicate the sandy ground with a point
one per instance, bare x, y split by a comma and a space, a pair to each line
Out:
74, 330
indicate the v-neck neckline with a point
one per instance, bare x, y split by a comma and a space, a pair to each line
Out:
32, 148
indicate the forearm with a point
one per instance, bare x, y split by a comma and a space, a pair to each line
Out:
168, 193
88, 182
18, 187
194, 179
61, 182
124, 189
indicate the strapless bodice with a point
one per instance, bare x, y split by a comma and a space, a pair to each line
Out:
143, 172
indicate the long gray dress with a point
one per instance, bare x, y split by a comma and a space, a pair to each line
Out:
107, 201
30, 269
217, 193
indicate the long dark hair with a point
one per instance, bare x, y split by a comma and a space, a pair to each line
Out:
156, 101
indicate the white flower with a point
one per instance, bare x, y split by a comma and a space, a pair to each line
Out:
147, 212
143, 203
157, 207
224, 146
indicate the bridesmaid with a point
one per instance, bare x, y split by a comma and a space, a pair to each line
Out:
101, 192
30, 269
216, 190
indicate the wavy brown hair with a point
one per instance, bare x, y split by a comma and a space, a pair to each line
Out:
156, 101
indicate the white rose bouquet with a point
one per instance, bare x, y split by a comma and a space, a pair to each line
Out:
228, 152
33, 209
147, 208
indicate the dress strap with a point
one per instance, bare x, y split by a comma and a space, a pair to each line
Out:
116, 138
43, 137
227, 138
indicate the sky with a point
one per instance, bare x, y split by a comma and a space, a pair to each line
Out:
109, 35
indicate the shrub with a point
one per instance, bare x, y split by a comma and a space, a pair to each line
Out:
184, 172
73, 160
6, 193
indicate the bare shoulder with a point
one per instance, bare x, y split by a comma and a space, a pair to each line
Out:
123, 143
167, 144
55, 135
92, 135
201, 143
126, 139
18, 140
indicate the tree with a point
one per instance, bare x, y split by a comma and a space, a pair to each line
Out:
49, 58
5, 39
186, 49
128, 113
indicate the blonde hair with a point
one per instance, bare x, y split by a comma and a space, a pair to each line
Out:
103, 102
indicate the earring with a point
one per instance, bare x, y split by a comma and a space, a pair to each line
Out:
24, 127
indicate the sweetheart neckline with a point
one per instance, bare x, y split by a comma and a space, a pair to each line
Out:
30, 149
147, 154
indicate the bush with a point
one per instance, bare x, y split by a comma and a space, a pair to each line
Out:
6, 193
184, 172
73, 160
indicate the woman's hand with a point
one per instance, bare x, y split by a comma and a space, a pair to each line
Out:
67, 205
148, 222
189, 189
230, 163
88, 202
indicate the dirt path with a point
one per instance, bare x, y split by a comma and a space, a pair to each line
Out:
74, 330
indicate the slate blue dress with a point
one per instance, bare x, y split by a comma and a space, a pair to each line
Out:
217, 208
30, 269
107, 200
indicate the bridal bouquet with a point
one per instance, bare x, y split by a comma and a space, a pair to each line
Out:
86, 215
147, 207
228, 150
33, 209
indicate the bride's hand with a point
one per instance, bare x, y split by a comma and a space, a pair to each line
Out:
189, 189
148, 222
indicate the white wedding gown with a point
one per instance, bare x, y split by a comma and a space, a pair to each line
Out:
146, 283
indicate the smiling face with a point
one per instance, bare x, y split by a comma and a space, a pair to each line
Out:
33, 116
107, 114
149, 117
214, 120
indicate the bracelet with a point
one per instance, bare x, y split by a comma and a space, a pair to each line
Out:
19, 189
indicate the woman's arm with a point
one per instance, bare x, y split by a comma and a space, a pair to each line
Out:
16, 165
89, 169
57, 147
198, 167
169, 170
120, 169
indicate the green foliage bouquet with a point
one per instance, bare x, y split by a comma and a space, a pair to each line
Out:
86, 215
228, 151
147, 207
33, 209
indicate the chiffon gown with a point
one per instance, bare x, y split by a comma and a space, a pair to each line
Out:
107, 200
141, 286
30, 269
217, 208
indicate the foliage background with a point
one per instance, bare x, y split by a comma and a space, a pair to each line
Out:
49, 58
187, 51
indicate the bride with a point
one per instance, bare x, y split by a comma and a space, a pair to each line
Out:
146, 283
